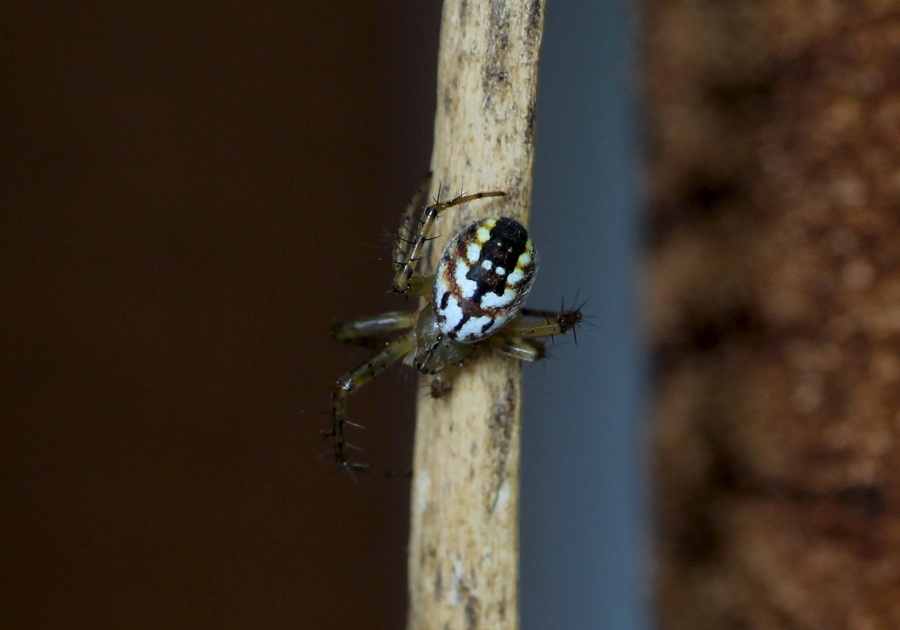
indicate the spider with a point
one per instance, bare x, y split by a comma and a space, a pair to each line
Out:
473, 301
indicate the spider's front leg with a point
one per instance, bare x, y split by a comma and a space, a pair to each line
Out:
353, 380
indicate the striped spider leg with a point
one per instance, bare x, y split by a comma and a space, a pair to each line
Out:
366, 332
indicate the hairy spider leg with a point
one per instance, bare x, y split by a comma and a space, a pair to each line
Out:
409, 223
519, 339
410, 242
353, 380
365, 331
551, 323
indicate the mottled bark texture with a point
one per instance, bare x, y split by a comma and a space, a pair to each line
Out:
774, 309
463, 554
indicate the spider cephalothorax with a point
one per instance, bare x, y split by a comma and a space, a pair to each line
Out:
474, 300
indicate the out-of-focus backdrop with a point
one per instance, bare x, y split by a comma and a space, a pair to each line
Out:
189, 197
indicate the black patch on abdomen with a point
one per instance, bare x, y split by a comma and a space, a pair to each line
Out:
507, 243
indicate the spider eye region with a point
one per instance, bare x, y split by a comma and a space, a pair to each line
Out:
482, 279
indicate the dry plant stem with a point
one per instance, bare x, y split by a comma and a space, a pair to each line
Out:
463, 554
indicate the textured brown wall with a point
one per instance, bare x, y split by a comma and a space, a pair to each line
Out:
774, 302
188, 199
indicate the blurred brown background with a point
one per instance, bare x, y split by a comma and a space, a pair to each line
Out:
773, 299
189, 199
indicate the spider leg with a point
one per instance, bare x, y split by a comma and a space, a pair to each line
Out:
420, 285
551, 323
415, 231
354, 379
363, 331
517, 347
409, 224
519, 339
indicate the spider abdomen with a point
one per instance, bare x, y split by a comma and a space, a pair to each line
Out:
482, 279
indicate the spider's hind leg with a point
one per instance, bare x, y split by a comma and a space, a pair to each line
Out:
353, 380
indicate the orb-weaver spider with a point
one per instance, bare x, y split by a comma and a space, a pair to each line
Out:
473, 301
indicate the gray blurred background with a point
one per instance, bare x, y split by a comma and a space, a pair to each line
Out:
188, 199
584, 527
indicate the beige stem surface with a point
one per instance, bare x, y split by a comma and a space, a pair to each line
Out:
463, 554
